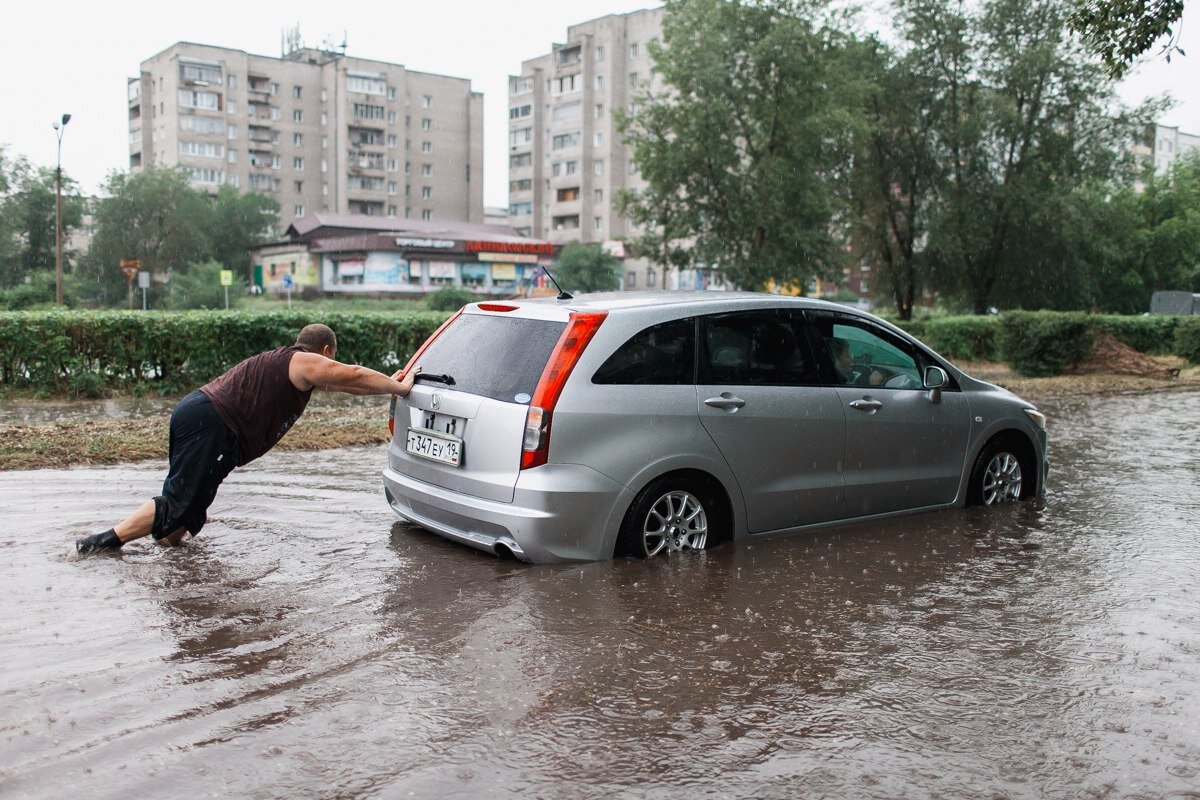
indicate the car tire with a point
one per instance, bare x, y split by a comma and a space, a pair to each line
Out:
670, 515
1003, 473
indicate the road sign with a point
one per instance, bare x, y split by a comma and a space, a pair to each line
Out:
130, 267
227, 277
143, 279
287, 280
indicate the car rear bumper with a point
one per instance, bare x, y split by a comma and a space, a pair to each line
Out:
560, 512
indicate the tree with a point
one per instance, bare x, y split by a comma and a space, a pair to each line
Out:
587, 268
155, 216
27, 218
896, 172
740, 148
1121, 30
1024, 120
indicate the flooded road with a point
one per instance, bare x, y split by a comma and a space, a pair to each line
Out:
309, 644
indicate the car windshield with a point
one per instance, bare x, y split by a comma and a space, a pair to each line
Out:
500, 357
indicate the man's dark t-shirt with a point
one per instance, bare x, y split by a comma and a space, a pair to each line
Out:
258, 401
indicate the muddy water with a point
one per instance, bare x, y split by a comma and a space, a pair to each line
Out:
307, 644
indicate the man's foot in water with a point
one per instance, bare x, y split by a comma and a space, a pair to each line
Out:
98, 543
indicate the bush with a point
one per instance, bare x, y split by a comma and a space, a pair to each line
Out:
1187, 339
449, 298
200, 287
38, 291
965, 338
1154, 334
93, 352
1043, 343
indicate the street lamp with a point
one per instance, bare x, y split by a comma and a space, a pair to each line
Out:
58, 130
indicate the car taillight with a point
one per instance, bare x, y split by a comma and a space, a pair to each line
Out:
535, 448
392, 416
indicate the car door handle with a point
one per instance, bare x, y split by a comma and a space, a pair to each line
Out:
725, 401
866, 405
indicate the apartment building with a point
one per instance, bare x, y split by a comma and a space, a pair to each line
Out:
1168, 143
316, 129
566, 161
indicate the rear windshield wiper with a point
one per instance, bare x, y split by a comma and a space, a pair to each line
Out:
436, 378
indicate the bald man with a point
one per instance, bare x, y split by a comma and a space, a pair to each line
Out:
232, 421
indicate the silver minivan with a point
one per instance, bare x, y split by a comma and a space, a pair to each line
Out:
653, 423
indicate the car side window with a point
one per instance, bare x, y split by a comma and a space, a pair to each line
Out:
662, 354
765, 347
861, 354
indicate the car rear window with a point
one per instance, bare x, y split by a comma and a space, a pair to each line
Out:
500, 357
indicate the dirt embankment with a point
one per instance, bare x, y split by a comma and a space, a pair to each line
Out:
112, 441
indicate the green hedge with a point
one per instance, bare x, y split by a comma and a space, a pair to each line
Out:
91, 352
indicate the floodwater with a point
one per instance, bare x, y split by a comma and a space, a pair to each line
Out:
307, 644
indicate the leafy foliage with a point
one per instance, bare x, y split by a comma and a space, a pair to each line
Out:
95, 351
27, 219
587, 268
155, 216
739, 149
449, 298
199, 286
1122, 30
1041, 343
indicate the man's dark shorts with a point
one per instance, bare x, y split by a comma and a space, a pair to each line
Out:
202, 451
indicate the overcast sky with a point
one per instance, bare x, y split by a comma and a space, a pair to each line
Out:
74, 57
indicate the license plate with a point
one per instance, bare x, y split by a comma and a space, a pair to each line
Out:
434, 446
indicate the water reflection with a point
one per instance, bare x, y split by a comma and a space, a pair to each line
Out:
307, 643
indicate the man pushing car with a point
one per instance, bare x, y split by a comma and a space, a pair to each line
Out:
233, 420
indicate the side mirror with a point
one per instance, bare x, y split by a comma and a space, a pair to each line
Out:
935, 380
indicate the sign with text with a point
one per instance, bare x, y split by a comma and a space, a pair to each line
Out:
426, 244
534, 248
227, 277
508, 258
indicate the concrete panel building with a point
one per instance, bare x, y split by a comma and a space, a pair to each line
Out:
316, 129
1168, 143
566, 158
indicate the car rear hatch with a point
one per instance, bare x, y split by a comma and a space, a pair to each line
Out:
462, 426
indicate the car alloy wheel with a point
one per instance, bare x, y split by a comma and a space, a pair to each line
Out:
1002, 479
676, 521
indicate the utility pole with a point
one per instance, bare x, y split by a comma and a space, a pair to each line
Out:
58, 276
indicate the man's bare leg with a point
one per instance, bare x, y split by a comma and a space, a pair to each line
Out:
135, 526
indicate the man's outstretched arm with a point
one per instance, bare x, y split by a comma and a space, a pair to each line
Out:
309, 370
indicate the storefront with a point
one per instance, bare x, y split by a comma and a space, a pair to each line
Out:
339, 254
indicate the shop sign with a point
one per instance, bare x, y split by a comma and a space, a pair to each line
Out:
533, 248
426, 244
511, 258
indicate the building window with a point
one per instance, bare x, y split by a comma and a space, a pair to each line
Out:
568, 194
426, 147
597, 223
426, 101
391, 140
520, 136
600, 53
520, 209
521, 86
391, 117
232, 155
231, 81
598, 139
299, 185
563, 140
426, 170
204, 100
298, 163
633, 80
566, 84
519, 112
201, 149
408, 168
599, 82
520, 160
571, 167
391, 93
296, 90
391, 211
366, 85
200, 73
299, 212
324, 118
599, 110
231, 133
297, 115
426, 124
275, 88
630, 280
597, 167
392, 188
598, 196
275, 113
231, 106
367, 111
651, 278
324, 165
633, 50
298, 139
426, 192
426, 214
393, 165
522, 185
324, 142
568, 222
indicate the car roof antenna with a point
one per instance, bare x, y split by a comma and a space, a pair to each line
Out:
561, 294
